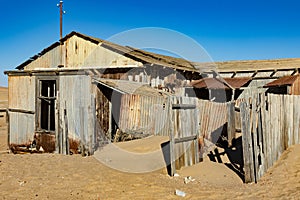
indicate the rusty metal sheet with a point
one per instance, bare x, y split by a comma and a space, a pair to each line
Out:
287, 80
210, 83
238, 82
130, 87
216, 83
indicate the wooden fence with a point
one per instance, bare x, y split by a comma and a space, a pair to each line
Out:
183, 119
270, 124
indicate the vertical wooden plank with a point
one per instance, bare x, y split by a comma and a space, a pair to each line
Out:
92, 125
247, 143
271, 134
64, 139
230, 122
254, 137
297, 120
66, 136
57, 124
260, 170
172, 141
291, 119
264, 131
62, 125
82, 136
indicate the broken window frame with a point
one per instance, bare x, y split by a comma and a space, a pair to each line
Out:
51, 98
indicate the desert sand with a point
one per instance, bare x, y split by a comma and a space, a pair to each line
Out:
53, 176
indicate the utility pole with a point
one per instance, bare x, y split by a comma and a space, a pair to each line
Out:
61, 12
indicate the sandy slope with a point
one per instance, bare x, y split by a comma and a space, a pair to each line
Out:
43, 176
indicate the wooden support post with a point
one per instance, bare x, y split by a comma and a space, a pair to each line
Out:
172, 141
92, 122
255, 147
196, 143
8, 127
61, 134
82, 131
260, 136
230, 122
247, 143
57, 124
66, 136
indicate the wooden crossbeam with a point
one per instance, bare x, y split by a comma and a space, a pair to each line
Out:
185, 139
183, 106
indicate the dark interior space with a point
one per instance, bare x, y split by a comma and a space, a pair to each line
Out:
115, 98
47, 107
278, 90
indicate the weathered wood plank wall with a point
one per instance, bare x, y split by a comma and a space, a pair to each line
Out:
154, 115
76, 101
147, 114
269, 126
184, 122
21, 94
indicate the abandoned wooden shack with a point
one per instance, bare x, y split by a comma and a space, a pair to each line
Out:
73, 96
217, 89
59, 99
285, 85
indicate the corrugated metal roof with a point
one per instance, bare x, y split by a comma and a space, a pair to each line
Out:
129, 87
287, 80
238, 82
216, 83
209, 83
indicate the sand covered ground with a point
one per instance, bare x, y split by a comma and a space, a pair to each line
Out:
53, 176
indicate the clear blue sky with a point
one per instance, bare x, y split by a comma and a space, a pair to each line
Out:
227, 29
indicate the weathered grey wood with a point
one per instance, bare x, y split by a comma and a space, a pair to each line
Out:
254, 137
296, 119
230, 122
8, 128
82, 136
183, 106
263, 131
21, 111
66, 136
92, 124
247, 143
172, 144
185, 139
57, 123
64, 139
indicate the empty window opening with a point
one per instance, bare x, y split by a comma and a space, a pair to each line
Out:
47, 98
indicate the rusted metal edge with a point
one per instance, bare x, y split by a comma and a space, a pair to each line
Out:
45, 141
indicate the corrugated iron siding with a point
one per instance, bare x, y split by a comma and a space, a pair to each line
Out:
152, 115
213, 116
77, 52
22, 129
82, 53
21, 96
21, 92
75, 97
148, 114
50, 59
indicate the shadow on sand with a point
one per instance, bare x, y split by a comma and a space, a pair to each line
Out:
234, 154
